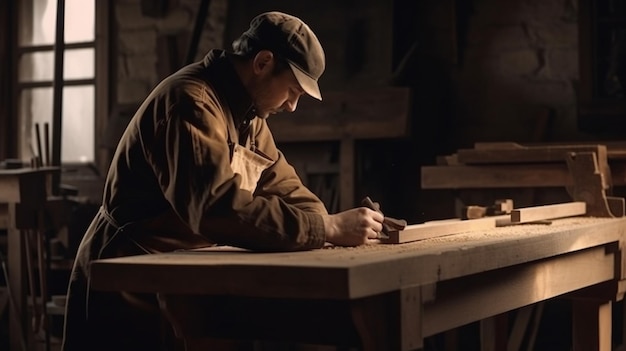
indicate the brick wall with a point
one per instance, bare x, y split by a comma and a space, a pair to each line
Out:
148, 48
518, 76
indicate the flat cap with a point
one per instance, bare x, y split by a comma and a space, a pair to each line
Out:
290, 38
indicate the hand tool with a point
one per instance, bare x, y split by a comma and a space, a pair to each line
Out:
389, 224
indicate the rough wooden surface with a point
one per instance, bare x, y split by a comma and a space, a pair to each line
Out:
538, 213
369, 293
344, 273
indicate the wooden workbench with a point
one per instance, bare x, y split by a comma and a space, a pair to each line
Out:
24, 195
385, 297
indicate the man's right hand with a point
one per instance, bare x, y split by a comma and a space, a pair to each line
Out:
357, 226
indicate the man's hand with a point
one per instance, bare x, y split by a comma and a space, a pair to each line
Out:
357, 226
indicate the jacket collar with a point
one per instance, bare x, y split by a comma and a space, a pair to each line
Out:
224, 78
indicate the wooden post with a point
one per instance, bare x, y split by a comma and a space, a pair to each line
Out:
57, 93
16, 283
346, 174
591, 325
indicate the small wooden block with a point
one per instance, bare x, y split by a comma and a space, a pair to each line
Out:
473, 212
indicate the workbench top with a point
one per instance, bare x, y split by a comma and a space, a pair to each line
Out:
349, 273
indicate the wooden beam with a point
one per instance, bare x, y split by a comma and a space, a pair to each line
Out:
507, 176
57, 92
346, 174
536, 154
439, 228
539, 213
451, 226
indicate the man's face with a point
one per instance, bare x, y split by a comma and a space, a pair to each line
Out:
275, 92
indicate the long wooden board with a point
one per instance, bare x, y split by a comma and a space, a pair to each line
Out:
506, 176
445, 227
535, 154
539, 213
439, 228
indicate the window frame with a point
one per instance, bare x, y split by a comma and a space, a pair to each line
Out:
100, 83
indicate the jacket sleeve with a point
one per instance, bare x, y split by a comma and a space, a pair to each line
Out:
190, 157
281, 179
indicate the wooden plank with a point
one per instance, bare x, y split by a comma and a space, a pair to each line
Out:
615, 149
490, 176
346, 174
539, 213
438, 228
444, 227
366, 114
506, 176
556, 153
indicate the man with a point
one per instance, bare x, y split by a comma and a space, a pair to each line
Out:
197, 166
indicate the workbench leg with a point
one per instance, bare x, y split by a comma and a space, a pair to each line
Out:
592, 324
493, 333
184, 313
451, 340
16, 283
390, 321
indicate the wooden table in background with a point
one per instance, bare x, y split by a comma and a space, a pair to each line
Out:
386, 297
24, 193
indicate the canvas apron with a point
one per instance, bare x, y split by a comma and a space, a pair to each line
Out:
248, 162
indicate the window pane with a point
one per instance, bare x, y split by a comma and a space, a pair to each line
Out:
36, 66
35, 107
38, 21
78, 124
80, 18
79, 64
39, 66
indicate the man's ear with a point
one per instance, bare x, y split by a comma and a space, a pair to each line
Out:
263, 60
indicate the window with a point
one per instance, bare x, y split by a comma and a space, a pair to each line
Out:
36, 70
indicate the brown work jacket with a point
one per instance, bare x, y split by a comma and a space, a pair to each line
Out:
170, 186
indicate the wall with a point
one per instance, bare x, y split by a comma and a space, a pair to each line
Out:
149, 48
517, 79
480, 70
511, 76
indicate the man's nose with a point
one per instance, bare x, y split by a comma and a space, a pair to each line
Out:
292, 103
